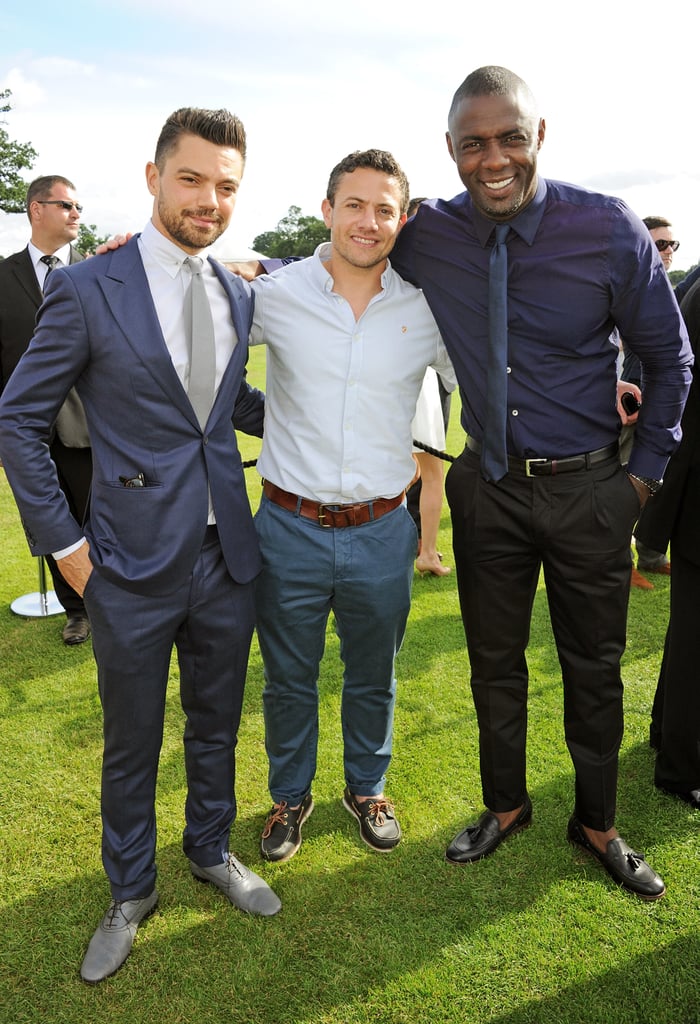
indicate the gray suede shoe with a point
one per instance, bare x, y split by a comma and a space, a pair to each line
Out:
111, 944
244, 888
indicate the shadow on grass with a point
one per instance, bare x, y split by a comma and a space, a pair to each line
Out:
389, 918
627, 995
353, 924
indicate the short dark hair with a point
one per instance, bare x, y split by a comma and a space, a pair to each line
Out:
218, 126
656, 222
413, 205
41, 188
490, 80
375, 160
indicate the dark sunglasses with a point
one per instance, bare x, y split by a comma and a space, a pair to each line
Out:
662, 244
65, 205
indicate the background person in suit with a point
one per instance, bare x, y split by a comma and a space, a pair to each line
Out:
54, 215
672, 516
169, 551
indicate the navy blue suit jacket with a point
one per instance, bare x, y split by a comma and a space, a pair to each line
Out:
98, 331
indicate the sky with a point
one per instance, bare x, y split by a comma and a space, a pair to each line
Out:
93, 82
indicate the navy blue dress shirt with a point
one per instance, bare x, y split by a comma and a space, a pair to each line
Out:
579, 264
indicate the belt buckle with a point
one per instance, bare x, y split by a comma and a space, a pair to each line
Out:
321, 515
531, 462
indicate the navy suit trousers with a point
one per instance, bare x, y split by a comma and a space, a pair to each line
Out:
210, 622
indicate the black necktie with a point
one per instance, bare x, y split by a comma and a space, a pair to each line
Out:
494, 456
200, 338
51, 262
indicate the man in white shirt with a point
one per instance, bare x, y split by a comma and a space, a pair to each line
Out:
168, 552
348, 345
54, 215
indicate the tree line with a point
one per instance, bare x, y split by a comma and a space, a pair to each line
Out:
16, 157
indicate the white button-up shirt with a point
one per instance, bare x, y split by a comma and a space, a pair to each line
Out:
341, 393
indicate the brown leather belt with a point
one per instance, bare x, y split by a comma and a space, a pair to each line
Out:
336, 516
550, 467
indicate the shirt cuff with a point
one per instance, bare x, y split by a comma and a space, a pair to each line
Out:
64, 552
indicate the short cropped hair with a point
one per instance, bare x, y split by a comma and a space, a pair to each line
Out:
41, 188
218, 126
490, 80
375, 160
656, 222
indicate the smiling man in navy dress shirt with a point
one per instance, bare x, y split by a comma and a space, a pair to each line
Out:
579, 264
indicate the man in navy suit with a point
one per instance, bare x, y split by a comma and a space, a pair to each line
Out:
168, 552
54, 215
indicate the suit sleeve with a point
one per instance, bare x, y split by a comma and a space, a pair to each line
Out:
249, 410
29, 405
661, 513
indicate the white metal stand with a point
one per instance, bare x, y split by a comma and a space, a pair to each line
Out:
41, 604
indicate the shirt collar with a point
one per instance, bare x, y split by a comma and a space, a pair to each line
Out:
525, 224
63, 254
162, 251
322, 254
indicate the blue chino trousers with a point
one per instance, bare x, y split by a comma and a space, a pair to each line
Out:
362, 574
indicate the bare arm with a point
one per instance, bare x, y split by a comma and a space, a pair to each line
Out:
247, 269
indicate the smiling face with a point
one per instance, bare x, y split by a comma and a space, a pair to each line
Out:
365, 217
494, 140
195, 192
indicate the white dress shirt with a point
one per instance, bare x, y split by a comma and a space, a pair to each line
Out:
168, 282
41, 269
341, 393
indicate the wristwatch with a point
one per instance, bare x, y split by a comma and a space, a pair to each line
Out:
653, 485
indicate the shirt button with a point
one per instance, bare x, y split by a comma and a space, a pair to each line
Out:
508, 369
514, 412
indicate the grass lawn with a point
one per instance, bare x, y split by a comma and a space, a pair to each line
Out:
537, 934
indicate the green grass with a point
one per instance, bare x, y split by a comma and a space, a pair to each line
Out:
537, 934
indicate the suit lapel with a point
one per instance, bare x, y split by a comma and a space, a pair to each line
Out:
126, 291
128, 296
26, 277
240, 315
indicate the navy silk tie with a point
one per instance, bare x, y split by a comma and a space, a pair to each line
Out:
494, 456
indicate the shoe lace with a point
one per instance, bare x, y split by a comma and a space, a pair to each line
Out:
233, 866
114, 909
378, 809
277, 816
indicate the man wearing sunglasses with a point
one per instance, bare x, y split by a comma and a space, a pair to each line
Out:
54, 215
660, 230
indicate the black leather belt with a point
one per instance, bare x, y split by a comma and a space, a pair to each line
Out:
551, 467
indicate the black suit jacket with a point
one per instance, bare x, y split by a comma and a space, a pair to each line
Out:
672, 514
20, 299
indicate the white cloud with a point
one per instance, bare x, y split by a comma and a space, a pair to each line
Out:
26, 92
312, 81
